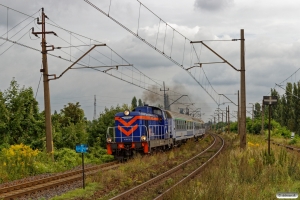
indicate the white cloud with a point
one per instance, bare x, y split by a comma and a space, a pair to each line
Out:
272, 48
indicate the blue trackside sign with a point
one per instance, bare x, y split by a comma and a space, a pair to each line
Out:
81, 148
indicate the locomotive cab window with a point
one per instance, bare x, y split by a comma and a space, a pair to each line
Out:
157, 112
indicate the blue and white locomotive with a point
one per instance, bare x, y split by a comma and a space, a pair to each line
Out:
149, 128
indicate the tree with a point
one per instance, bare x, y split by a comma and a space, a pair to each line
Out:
71, 114
4, 119
257, 111
297, 108
133, 103
24, 123
69, 126
140, 102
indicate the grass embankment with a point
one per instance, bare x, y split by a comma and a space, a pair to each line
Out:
286, 141
235, 174
248, 174
137, 171
20, 161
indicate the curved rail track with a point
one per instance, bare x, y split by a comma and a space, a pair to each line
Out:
23, 189
177, 175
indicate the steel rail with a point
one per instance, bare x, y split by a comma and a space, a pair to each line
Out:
22, 189
288, 147
129, 193
193, 174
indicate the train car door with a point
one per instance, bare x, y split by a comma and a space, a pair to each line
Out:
147, 128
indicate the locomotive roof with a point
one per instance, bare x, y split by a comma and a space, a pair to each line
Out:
176, 115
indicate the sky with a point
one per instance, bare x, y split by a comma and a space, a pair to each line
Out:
272, 49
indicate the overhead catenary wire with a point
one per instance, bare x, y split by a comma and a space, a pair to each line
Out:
278, 85
18, 43
12, 44
26, 46
16, 32
154, 46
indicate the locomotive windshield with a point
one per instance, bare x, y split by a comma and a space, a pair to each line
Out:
157, 112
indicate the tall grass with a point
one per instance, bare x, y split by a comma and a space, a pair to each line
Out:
249, 174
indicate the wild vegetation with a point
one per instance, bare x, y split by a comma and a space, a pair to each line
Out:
23, 140
250, 174
235, 174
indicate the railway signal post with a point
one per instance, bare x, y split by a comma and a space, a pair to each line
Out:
269, 100
82, 148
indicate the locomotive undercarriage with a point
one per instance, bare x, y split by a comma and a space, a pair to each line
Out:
128, 151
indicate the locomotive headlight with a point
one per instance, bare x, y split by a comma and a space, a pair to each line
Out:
108, 140
126, 112
143, 138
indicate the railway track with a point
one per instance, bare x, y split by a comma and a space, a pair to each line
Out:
288, 147
23, 189
161, 185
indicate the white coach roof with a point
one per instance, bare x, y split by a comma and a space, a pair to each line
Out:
171, 114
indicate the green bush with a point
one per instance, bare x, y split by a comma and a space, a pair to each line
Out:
293, 141
68, 158
107, 158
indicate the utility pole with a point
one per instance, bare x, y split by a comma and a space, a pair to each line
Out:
165, 99
262, 118
215, 124
226, 115
238, 113
222, 118
228, 120
94, 107
243, 94
252, 113
242, 112
49, 137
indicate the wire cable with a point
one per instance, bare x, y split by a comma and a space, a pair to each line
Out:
12, 44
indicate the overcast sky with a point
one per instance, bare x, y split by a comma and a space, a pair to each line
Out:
272, 50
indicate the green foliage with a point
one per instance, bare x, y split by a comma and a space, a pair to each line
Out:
140, 103
268, 159
20, 120
69, 126
133, 103
71, 114
80, 193
243, 173
99, 155
287, 110
68, 158
234, 127
257, 111
282, 158
293, 141
18, 161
